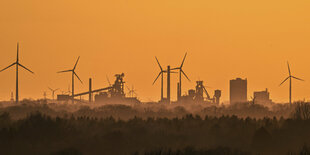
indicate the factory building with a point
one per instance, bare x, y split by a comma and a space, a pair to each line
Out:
238, 90
262, 97
63, 97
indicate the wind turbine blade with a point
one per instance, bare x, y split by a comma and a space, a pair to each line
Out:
65, 71
50, 89
77, 77
17, 57
185, 75
56, 89
8, 66
297, 78
173, 72
157, 77
289, 70
175, 68
183, 60
161, 69
76, 63
25, 68
284, 80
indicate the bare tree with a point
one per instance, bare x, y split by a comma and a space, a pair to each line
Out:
302, 110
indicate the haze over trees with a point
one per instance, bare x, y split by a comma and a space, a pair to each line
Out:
36, 128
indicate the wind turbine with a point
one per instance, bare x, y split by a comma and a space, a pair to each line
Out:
180, 76
17, 64
162, 79
132, 91
161, 73
53, 91
73, 74
290, 78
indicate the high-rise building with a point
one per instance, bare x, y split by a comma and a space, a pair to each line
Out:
238, 90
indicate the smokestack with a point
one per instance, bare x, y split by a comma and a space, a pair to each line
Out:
168, 84
217, 96
162, 87
90, 90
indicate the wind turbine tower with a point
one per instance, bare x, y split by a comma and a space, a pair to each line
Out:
290, 84
168, 85
17, 65
90, 95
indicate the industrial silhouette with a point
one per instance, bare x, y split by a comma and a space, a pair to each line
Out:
109, 81
253, 99
197, 95
262, 97
115, 92
114, 103
194, 96
53, 92
73, 74
238, 90
179, 90
290, 85
161, 73
17, 64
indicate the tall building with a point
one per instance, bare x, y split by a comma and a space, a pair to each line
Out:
262, 97
238, 90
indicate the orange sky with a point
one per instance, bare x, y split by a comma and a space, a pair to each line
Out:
225, 39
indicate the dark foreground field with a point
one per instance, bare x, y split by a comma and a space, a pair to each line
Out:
39, 133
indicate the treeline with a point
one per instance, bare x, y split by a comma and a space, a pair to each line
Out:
125, 112
42, 134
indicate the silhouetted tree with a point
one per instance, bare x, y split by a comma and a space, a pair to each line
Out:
302, 111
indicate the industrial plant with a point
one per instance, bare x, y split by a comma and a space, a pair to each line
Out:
115, 93
238, 90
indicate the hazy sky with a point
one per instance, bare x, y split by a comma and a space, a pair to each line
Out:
224, 39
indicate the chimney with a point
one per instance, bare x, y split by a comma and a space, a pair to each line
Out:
168, 84
90, 90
